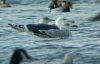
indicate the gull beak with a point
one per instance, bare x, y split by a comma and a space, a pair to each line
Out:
75, 26
52, 20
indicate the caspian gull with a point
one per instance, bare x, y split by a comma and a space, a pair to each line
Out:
45, 30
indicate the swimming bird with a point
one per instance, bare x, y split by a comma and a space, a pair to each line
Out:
60, 29
3, 4
63, 30
65, 7
19, 55
36, 29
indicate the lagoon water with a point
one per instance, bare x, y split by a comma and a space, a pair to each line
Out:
84, 44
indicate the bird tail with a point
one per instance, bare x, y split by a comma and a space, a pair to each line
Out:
17, 27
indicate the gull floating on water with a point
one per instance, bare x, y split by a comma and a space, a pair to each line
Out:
4, 4
47, 20
60, 29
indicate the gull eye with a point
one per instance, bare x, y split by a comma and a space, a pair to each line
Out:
21, 26
51, 19
72, 21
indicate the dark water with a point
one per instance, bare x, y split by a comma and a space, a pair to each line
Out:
84, 44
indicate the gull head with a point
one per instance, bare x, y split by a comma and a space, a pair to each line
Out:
72, 23
61, 23
45, 20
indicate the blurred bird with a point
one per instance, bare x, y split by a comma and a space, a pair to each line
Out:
19, 55
60, 29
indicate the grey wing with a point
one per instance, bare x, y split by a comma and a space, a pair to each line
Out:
56, 33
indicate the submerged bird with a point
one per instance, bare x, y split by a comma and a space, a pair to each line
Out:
60, 29
18, 56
